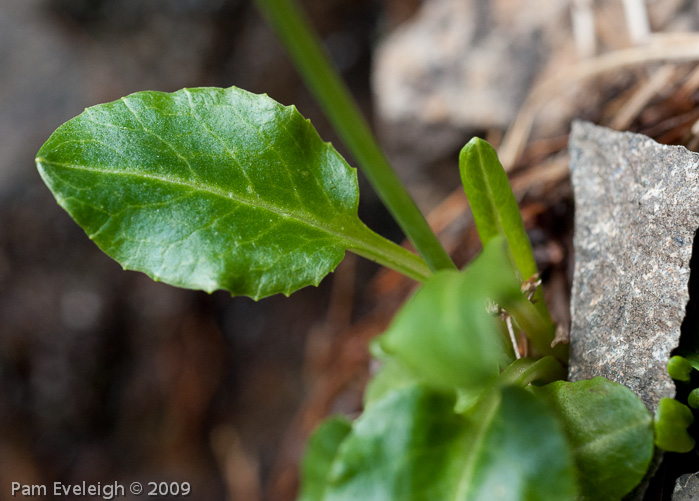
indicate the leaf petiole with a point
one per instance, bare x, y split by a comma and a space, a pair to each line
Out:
525, 371
373, 246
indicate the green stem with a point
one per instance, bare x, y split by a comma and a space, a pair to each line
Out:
524, 371
313, 64
380, 250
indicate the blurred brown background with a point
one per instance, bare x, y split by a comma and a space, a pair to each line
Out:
106, 376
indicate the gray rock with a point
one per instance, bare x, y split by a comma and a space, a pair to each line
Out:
460, 65
687, 488
637, 211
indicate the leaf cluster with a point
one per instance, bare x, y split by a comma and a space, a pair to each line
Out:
223, 189
453, 415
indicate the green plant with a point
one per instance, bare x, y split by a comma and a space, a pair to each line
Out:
222, 189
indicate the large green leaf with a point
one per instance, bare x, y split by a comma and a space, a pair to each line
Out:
212, 189
410, 445
518, 451
611, 433
405, 446
320, 453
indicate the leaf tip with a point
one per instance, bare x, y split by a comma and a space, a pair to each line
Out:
476, 146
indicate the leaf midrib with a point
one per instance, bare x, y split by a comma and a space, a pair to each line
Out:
303, 217
479, 437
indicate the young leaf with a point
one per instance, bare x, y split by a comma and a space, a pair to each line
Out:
495, 212
212, 189
693, 398
494, 207
410, 445
444, 333
691, 358
610, 431
671, 422
679, 368
320, 452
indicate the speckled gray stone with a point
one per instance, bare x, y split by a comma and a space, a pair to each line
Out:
636, 214
687, 488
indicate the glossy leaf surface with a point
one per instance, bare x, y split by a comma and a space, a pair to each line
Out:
610, 431
410, 445
320, 453
208, 189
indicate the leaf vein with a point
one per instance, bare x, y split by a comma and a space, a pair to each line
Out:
204, 125
313, 173
161, 139
300, 216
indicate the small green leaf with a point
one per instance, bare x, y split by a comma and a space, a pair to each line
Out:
692, 358
444, 333
679, 368
495, 212
493, 204
671, 422
411, 445
212, 189
693, 398
320, 452
610, 431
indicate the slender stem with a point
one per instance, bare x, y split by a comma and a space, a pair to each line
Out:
526, 370
311, 61
380, 250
